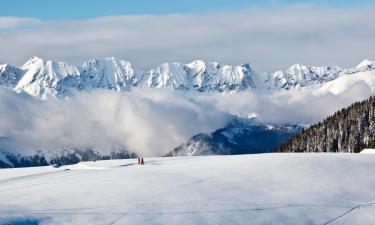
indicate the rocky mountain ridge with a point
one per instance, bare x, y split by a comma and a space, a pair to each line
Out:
46, 78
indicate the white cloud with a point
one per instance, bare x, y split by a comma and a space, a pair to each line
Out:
289, 107
269, 39
9, 23
147, 122
151, 121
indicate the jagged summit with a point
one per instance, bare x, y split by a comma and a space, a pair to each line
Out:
108, 73
299, 75
33, 60
41, 78
44, 78
365, 63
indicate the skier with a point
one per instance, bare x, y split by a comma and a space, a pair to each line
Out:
139, 160
142, 162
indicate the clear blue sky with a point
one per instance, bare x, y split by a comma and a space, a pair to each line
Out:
80, 9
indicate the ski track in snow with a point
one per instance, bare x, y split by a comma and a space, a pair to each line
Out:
266, 189
364, 205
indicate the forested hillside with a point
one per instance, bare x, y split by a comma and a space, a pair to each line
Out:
348, 130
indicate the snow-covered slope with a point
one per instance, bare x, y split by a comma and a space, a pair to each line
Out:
364, 78
365, 63
167, 75
368, 151
41, 78
201, 76
109, 73
244, 189
298, 76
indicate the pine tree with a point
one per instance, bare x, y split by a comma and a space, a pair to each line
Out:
348, 130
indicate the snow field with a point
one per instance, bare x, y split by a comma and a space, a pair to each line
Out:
243, 189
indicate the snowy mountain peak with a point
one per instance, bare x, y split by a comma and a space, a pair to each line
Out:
109, 73
41, 78
166, 75
200, 76
299, 75
34, 60
365, 63
297, 66
2, 67
199, 64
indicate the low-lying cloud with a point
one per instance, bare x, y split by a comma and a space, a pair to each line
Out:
287, 107
151, 122
147, 122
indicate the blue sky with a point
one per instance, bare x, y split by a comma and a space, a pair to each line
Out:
82, 9
269, 34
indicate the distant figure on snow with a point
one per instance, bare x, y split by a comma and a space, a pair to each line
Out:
142, 162
139, 160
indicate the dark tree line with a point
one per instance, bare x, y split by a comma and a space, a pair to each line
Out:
349, 130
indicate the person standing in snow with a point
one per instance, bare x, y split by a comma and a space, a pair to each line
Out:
139, 160
142, 162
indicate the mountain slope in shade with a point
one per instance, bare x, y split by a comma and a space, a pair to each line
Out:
348, 130
240, 136
9, 75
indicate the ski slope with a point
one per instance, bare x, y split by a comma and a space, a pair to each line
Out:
243, 189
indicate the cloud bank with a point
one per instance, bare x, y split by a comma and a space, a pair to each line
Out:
287, 107
269, 39
147, 122
151, 122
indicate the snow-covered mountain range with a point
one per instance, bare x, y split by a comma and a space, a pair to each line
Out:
45, 78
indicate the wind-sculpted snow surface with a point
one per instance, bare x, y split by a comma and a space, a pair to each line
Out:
244, 189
